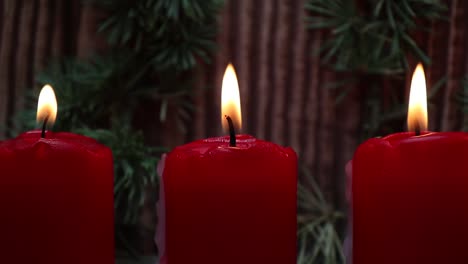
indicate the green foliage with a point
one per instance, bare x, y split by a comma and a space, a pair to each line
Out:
319, 241
134, 167
371, 40
374, 38
172, 34
91, 92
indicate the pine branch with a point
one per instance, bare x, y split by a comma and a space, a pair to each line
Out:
371, 41
134, 167
173, 33
318, 240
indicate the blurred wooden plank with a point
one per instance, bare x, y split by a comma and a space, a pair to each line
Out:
251, 109
43, 35
455, 65
347, 124
282, 53
437, 51
222, 58
272, 66
89, 41
326, 134
243, 53
199, 114
265, 25
310, 105
296, 77
23, 61
9, 11
59, 29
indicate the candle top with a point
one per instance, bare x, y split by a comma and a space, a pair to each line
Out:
53, 140
219, 145
409, 137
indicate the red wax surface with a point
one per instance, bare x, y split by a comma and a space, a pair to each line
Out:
56, 200
410, 199
231, 205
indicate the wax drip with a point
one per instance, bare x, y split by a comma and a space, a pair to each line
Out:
232, 132
43, 134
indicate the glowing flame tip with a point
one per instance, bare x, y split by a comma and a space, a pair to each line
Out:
230, 99
417, 108
47, 105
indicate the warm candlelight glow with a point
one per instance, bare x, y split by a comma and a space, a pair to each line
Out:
417, 109
47, 105
230, 99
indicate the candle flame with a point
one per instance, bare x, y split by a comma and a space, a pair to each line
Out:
47, 106
230, 99
417, 109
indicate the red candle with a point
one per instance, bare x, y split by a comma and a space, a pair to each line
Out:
410, 199
410, 195
230, 204
56, 199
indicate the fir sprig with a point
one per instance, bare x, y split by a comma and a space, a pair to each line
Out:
319, 242
134, 167
374, 37
172, 33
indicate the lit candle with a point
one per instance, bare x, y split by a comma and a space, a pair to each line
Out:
230, 199
56, 196
410, 193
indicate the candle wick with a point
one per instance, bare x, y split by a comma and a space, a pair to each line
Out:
43, 134
417, 130
232, 132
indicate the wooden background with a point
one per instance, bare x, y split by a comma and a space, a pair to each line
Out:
282, 83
